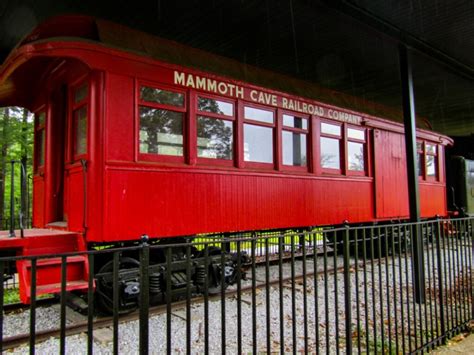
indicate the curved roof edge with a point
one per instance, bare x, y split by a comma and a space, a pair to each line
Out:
130, 40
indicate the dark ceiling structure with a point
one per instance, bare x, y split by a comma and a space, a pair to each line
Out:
348, 46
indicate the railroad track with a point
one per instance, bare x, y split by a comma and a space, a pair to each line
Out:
103, 322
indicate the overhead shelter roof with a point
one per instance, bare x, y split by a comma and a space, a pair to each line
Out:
348, 47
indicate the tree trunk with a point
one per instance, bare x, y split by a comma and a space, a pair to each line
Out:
3, 162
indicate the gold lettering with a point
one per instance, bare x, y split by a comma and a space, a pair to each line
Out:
211, 85
291, 106
200, 83
231, 89
190, 81
179, 78
284, 102
274, 100
253, 95
239, 92
305, 107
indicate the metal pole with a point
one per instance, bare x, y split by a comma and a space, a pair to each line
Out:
410, 145
12, 200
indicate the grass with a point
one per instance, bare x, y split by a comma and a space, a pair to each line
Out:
291, 237
11, 295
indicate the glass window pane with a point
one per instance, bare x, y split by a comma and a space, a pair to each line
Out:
214, 138
215, 106
356, 134
40, 147
161, 131
419, 159
355, 153
430, 149
430, 165
330, 156
81, 93
258, 115
294, 148
161, 96
81, 131
258, 144
41, 118
330, 129
296, 122
419, 146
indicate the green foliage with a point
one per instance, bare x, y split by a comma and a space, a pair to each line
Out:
16, 143
11, 295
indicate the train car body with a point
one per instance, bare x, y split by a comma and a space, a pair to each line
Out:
159, 139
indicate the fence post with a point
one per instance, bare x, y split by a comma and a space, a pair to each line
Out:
440, 284
144, 294
347, 290
12, 200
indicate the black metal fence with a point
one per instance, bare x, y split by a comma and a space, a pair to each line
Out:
335, 290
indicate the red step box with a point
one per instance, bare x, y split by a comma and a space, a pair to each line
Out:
48, 275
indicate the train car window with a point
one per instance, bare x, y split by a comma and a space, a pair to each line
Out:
80, 131
419, 159
206, 104
427, 161
330, 153
327, 128
214, 138
215, 128
258, 135
258, 144
161, 123
356, 150
81, 93
294, 142
330, 147
161, 96
295, 122
256, 114
161, 131
355, 134
431, 161
39, 140
41, 118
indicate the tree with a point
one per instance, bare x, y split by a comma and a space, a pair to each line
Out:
16, 143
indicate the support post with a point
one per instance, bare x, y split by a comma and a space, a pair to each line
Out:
11, 234
408, 99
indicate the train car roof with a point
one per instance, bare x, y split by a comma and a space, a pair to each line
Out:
89, 29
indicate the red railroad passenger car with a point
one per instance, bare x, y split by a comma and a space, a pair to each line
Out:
157, 138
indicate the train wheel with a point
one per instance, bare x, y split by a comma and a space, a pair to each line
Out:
215, 273
129, 287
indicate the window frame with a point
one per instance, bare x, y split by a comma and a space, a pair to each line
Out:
75, 107
341, 139
424, 153
274, 126
350, 172
212, 115
152, 157
307, 132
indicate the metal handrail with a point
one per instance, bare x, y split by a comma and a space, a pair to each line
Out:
23, 197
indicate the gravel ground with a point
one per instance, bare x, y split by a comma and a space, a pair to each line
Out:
387, 292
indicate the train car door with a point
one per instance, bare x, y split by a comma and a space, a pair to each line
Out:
75, 167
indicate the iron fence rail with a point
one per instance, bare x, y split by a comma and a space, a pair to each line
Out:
343, 290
